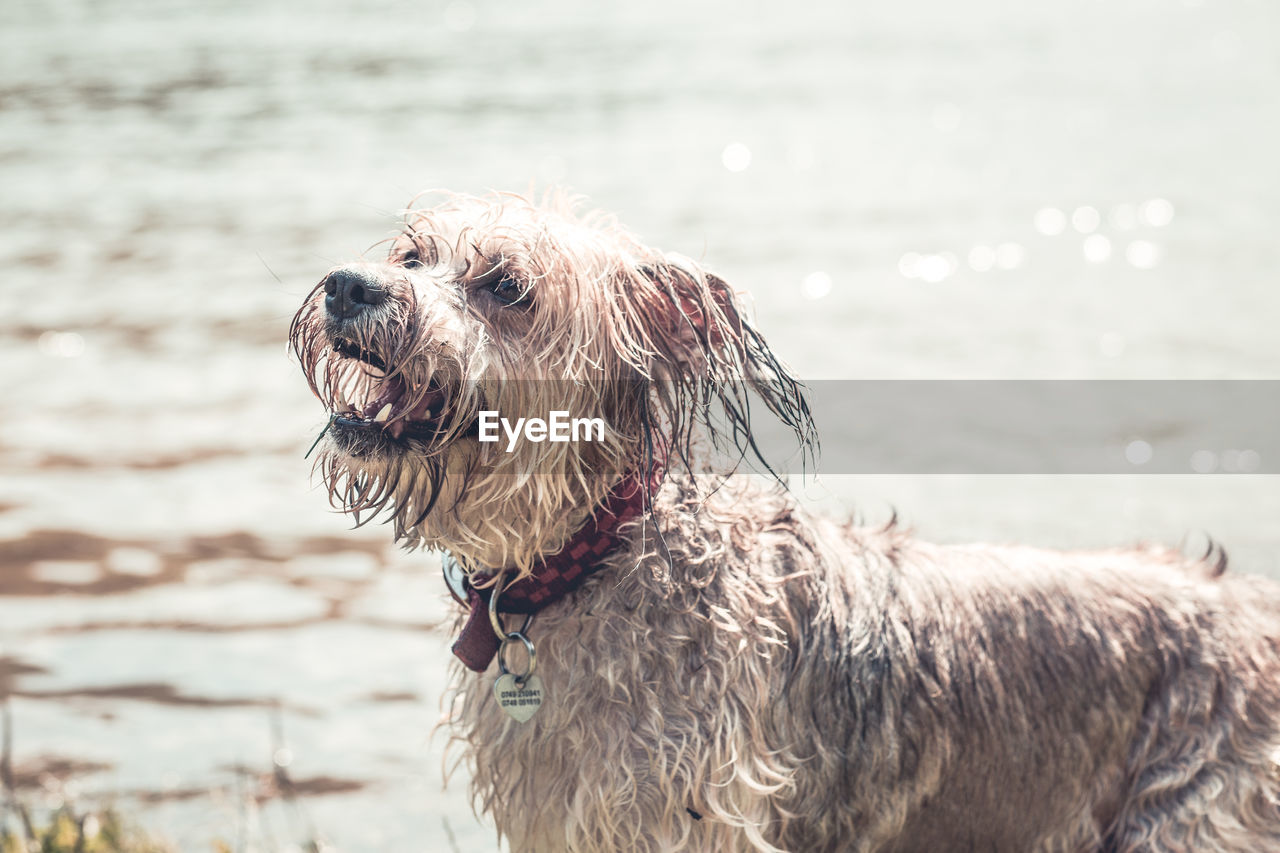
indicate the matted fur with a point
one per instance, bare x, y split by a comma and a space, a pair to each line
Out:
742, 675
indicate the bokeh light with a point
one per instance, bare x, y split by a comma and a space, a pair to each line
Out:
1050, 221
1143, 254
1096, 248
1157, 212
1085, 219
1138, 452
1204, 461
736, 157
816, 285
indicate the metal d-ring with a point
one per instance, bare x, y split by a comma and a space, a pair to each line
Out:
495, 619
455, 578
529, 650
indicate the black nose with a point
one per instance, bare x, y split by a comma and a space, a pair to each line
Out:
350, 291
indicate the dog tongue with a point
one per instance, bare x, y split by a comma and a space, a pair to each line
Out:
392, 391
431, 403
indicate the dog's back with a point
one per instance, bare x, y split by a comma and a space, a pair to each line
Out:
1016, 699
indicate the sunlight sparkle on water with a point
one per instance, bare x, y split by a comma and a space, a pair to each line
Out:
736, 157
930, 268
1086, 219
816, 285
1050, 221
1248, 461
1142, 254
1157, 212
936, 268
61, 344
1096, 248
1240, 461
1204, 461
1138, 452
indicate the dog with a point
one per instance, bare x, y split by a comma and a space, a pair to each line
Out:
657, 654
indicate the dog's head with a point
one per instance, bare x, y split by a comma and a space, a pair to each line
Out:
499, 305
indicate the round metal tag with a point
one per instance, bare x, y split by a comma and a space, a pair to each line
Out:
520, 698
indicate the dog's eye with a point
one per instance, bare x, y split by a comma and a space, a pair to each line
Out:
507, 290
410, 260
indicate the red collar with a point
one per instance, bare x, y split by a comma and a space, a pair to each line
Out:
554, 576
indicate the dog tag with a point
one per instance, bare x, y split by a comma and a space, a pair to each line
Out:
520, 702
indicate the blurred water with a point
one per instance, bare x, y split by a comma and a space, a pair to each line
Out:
919, 189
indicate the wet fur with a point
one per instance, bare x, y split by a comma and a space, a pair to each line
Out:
647, 340
743, 675
809, 686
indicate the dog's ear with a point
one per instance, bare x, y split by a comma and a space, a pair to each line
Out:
693, 316
702, 361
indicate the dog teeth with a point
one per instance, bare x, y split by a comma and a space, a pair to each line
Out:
383, 414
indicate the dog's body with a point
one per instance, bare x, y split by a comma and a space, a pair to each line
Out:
737, 674
807, 686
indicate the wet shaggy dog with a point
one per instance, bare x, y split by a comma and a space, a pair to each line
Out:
717, 669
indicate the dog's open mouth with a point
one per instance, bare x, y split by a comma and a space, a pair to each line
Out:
350, 349
370, 399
